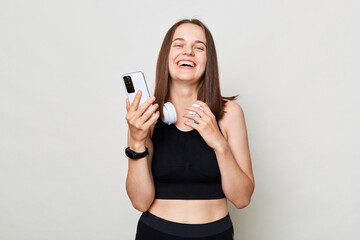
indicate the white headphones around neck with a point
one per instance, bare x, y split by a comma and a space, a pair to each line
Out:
170, 116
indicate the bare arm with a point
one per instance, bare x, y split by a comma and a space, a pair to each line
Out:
232, 150
234, 158
139, 182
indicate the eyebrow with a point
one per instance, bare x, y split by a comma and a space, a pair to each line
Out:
181, 39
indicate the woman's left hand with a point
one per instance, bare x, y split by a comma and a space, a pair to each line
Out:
206, 126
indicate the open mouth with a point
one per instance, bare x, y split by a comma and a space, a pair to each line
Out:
186, 63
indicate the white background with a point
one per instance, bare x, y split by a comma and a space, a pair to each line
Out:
295, 65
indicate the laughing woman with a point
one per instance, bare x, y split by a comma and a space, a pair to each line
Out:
194, 165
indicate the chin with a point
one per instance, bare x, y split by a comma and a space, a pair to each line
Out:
187, 77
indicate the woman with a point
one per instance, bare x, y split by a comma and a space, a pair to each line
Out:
193, 166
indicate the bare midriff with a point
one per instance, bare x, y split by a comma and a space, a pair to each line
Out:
190, 211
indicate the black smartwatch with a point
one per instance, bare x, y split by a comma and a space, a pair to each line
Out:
134, 155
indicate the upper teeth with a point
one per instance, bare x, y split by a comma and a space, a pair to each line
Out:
186, 63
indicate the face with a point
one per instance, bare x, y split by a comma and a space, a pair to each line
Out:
187, 56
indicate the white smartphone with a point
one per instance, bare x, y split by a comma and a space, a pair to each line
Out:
133, 82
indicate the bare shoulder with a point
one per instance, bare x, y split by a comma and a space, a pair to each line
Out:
233, 118
232, 109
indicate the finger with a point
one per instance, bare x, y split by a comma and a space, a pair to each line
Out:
206, 109
127, 104
148, 113
195, 109
152, 119
193, 117
204, 106
191, 124
143, 107
136, 101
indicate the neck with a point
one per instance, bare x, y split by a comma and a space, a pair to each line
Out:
182, 94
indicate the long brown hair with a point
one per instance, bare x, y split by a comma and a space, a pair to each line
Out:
209, 85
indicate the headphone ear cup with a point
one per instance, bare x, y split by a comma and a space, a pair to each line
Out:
170, 116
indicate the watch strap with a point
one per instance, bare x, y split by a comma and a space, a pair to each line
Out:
135, 155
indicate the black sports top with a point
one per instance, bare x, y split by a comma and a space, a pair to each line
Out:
183, 165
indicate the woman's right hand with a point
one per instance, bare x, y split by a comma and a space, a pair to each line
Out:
140, 119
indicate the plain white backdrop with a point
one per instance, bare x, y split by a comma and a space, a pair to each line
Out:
63, 132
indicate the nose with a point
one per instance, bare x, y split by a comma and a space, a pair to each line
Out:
188, 51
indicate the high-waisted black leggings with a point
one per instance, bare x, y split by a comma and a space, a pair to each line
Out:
151, 227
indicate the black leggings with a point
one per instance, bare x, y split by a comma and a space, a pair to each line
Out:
151, 227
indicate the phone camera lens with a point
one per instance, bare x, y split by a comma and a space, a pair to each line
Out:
129, 85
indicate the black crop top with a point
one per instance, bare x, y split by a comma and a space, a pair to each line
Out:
183, 165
